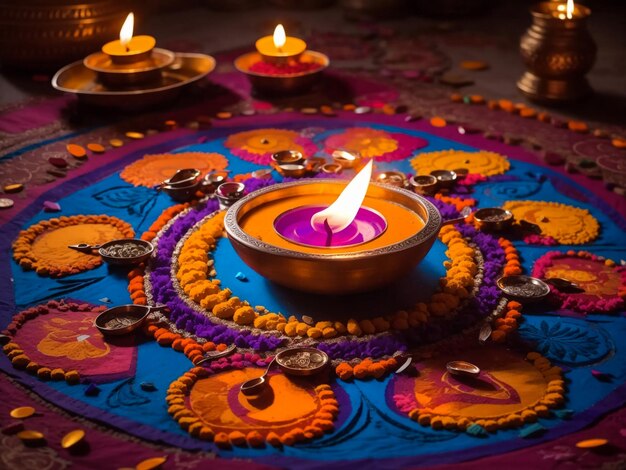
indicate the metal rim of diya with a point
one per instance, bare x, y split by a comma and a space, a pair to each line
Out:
335, 271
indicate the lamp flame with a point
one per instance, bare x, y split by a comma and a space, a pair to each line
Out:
280, 38
126, 33
569, 11
342, 212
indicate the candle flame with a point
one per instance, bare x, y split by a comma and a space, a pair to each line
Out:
342, 212
126, 33
569, 11
280, 38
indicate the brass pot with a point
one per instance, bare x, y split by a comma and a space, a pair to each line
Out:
335, 272
557, 53
42, 35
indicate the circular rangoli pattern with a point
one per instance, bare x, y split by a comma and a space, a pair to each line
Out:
58, 341
257, 146
603, 283
44, 245
374, 143
508, 392
568, 225
481, 162
208, 404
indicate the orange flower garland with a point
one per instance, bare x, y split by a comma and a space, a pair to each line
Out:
367, 368
153, 169
188, 346
44, 245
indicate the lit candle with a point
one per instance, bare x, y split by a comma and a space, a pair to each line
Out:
344, 223
128, 48
280, 47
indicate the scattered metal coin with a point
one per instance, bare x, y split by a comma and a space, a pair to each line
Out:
474, 65
224, 115
58, 162
262, 173
591, 443
72, 438
362, 110
308, 110
30, 436
134, 135
151, 464
308, 320
76, 151
6, 203
463, 368
96, 148
13, 188
455, 80
22, 412
116, 142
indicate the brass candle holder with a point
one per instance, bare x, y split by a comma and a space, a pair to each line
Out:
558, 51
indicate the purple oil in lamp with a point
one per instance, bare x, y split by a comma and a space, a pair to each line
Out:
295, 225
344, 223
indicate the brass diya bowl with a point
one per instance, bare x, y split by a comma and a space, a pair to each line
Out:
335, 271
493, 218
523, 288
79, 80
123, 319
302, 361
278, 84
126, 251
423, 184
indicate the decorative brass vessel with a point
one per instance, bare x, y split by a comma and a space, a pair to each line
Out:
336, 272
558, 52
42, 35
